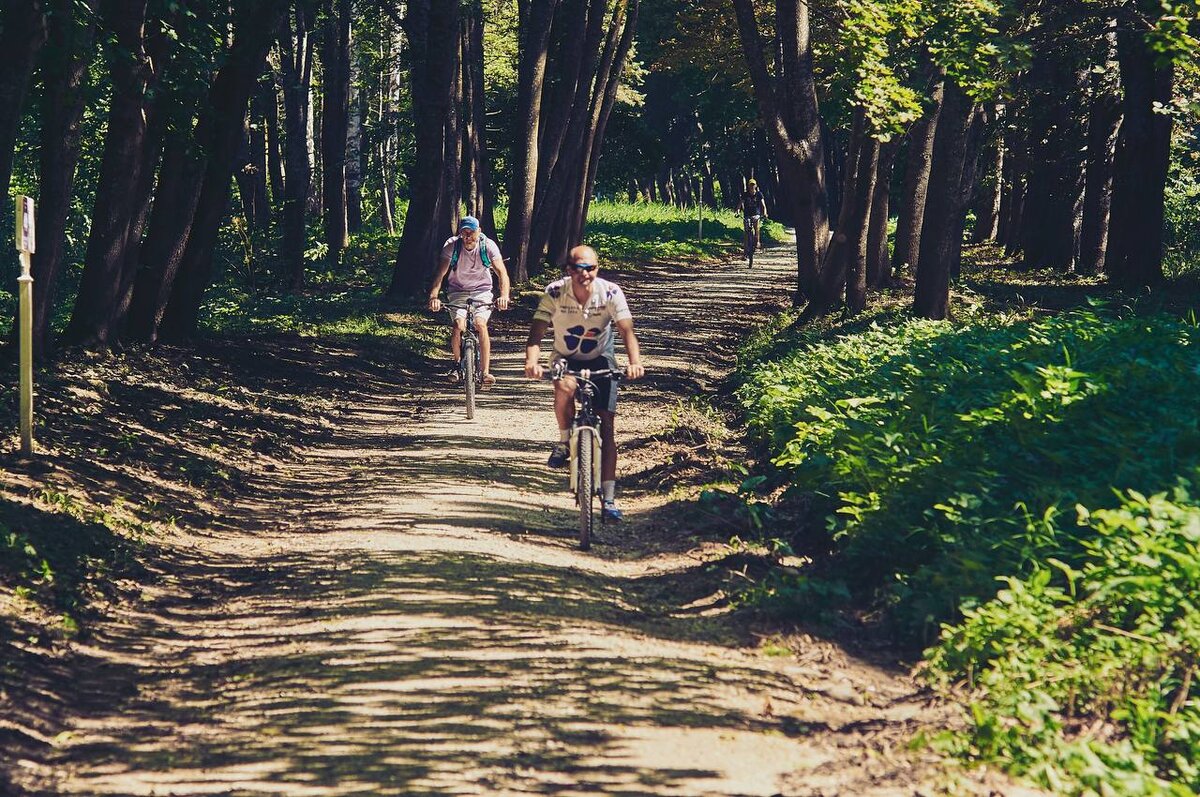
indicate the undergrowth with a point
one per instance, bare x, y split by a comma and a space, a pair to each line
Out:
1025, 485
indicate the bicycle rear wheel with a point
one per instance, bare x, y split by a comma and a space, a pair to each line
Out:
468, 366
584, 486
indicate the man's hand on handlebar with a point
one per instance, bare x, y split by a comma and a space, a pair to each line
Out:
502, 303
635, 371
435, 304
533, 369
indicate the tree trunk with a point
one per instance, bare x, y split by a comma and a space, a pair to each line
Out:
450, 207
296, 51
1135, 247
788, 106
355, 154
878, 263
269, 100
987, 198
966, 186
536, 18
335, 113
911, 218
1055, 167
120, 172
479, 141
1104, 116
857, 234
68, 56
431, 24
942, 207
22, 33
179, 281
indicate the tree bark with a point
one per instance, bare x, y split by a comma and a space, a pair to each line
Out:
120, 172
432, 27
858, 235
987, 198
911, 218
943, 205
790, 113
878, 263
1135, 247
296, 51
355, 153
536, 17
219, 131
22, 33
1104, 116
335, 114
66, 60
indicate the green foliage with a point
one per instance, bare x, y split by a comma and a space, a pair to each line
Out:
947, 460
1086, 678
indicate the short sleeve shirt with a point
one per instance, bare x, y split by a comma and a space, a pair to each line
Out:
583, 331
470, 274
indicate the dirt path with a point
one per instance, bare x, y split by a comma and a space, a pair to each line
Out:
419, 621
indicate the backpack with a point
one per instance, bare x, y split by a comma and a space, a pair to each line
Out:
483, 253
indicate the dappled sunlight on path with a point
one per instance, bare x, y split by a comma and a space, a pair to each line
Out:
415, 618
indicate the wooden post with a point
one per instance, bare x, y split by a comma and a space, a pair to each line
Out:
25, 245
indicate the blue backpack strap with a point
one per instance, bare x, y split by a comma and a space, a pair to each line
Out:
483, 253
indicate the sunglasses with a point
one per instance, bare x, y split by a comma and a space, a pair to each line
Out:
584, 266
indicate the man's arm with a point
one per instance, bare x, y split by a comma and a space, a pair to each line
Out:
505, 285
635, 369
533, 348
435, 303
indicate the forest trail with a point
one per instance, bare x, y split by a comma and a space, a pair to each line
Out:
418, 620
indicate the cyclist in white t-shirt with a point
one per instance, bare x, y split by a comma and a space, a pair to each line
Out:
583, 310
470, 258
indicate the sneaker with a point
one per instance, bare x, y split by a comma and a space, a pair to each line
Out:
488, 380
611, 512
559, 455
454, 375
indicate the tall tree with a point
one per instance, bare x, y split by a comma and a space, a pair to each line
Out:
335, 117
788, 106
296, 46
910, 220
65, 63
432, 28
22, 33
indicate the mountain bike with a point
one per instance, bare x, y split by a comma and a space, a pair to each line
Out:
468, 362
750, 226
585, 443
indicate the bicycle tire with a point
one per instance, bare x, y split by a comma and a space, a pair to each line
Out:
584, 487
468, 360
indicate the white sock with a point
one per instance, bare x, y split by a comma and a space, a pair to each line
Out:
609, 489
564, 435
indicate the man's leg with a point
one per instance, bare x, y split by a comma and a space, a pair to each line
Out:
460, 325
608, 466
564, 411
485, 345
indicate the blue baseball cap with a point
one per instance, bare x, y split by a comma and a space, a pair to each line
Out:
468, 223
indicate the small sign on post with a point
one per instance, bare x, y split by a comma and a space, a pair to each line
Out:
26, 238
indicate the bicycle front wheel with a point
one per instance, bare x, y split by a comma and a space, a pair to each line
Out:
584, 486
468, 366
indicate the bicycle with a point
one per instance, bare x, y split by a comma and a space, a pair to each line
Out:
584, 443
750, 237
468, 361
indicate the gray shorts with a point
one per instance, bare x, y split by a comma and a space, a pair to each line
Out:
456, 304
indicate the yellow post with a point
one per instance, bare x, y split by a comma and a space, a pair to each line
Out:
25, 245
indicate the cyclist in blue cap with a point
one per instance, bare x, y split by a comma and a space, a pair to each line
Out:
470, 258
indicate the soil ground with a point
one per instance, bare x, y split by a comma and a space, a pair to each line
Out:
402, 608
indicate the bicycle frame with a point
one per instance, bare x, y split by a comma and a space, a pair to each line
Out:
586, 417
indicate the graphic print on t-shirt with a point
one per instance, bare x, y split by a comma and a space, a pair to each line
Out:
580, 340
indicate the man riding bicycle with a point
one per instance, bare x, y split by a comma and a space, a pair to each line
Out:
754, 209
583, 310
470, 258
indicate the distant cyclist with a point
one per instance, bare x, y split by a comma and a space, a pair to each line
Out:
754, 208
584, 310
470, 258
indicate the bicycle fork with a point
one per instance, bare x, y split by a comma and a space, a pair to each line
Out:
574, 445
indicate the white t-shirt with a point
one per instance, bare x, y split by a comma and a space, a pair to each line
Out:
583, 331
470, 274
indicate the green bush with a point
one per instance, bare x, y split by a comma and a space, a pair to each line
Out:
950, 460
